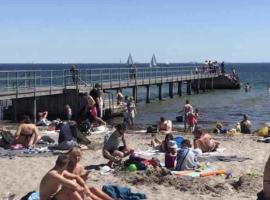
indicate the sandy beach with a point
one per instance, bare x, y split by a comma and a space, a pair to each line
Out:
21, 175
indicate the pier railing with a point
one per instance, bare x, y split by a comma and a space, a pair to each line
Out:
59, 79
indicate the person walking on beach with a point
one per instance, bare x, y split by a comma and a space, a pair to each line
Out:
132, 111
119, 96
95, 93
74, 74
186, 109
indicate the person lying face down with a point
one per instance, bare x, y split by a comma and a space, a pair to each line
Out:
204, 141
27, 133
74, 167
58, 184
112, 149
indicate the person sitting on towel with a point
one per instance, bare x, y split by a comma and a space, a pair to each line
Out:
27, 133
162, 146
42, 119
53, 183
245, 125
112, 149
186, 159
74, 167
164, 125
204, 141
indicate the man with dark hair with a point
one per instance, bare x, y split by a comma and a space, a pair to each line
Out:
57, 179
112, 149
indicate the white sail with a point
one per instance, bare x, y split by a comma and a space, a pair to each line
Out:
130, 61
153, 62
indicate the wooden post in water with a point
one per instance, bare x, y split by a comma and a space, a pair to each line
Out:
198, 86
212, 83
171, 89
180, 88
147, 93
204, 84
160, 91
189, 87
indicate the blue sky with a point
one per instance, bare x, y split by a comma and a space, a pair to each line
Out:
55, 31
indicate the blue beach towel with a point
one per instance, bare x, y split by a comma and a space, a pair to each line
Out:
124, 193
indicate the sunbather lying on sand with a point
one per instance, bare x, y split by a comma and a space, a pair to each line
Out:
27, 133
112, 149
58, 184
204, 141
76, 168
162, 145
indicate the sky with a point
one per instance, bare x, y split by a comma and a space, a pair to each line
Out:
103, 31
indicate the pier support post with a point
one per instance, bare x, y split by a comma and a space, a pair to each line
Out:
198, 86
160, 91
35, 110
135, 93
171, 89
180, 88
189, 87
212, 83
148, 94
204, 84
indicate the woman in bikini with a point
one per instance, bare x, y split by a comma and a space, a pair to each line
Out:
27, 133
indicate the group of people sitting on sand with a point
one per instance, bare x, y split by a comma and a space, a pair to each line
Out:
67, 180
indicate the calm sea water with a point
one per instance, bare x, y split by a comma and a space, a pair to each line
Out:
217, 105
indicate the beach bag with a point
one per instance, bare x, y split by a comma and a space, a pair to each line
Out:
7, 137
263, 132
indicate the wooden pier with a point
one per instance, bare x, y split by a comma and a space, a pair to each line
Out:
36, 90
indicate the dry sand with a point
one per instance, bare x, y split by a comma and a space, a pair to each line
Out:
21, 175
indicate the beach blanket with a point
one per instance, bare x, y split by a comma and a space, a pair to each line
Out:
124, 193
148, 152
38, 151
223, 159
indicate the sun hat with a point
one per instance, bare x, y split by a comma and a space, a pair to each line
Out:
172, 144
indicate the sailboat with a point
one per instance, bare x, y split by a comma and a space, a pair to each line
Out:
153, 62
129, 61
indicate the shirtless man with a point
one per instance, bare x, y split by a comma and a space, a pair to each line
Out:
52, 183
204, 141
27, 133
76, 168
186, 109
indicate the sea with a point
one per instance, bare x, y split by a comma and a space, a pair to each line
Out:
225, 106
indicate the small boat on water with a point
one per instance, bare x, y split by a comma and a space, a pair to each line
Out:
153, 62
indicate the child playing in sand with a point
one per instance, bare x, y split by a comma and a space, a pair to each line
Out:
163, 146
170, 157
76, 168
112, 149
52, 184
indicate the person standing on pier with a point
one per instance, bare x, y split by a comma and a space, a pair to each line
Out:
95, 93
74, 74
186, 109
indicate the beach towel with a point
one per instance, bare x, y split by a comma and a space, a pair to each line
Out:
124, 193
223, 159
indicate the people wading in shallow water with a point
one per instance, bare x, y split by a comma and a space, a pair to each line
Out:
247, 87
186, 109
